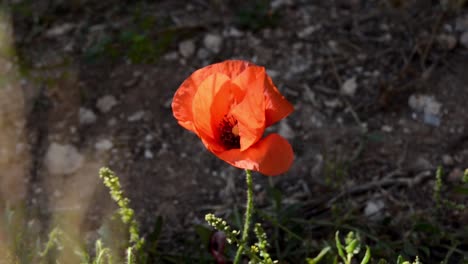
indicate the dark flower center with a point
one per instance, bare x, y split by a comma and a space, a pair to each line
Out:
229, 133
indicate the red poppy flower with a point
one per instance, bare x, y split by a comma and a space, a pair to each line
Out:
229, 105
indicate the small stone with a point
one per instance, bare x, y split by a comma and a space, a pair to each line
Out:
112, 122
387, 128
349, 87
276, 4
464, 39
447, 42
103, 145
87, 116
285, 130
148, 154
136, 116
428, 106
420, 164
431, 119
203, 54
307, 31
233, 32
57, 194
59, 30
213, 42
447, 160
63, 159
333, 103
171, 56
105, 103
187, 48
456, 175
373, 209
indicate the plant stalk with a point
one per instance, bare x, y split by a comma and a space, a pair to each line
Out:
248, 216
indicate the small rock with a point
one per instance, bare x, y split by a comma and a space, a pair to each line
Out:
148, 154
63, 159
105, 103
57, 194
112, 122
187, 48
276, 4
333, 103
349, 87
387, 128
171, 56
272, 73
213, 42
136, 116
307, 31
464, 39
428, 106
148, 137
103, 145
131, 82
373, 209
456, 175
87, 116
447, 42
447, 160
233, 32
431, 119
285, 130
420, 164
203, 54
59, 30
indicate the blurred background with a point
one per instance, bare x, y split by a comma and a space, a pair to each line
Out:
379, 88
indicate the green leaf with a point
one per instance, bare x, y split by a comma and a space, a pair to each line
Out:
367, 256
352, 247
322, 253
339, 246
400, 260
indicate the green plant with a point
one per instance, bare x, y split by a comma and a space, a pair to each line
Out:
443, 202
127, 215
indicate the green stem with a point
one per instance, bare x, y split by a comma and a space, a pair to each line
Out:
248, 216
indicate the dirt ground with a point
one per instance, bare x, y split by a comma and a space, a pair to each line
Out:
379, 90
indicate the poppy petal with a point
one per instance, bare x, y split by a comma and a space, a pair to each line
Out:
222, 104
271, 156
277, 107
202, 102
183, 98
250, 113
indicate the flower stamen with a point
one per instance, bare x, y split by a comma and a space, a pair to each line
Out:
229, 132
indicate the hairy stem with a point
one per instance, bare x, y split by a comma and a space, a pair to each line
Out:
248, 216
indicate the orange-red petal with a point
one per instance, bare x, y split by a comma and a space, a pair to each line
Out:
271, 156
276, 106
222, 104
250, 113
183, 98
203, 101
